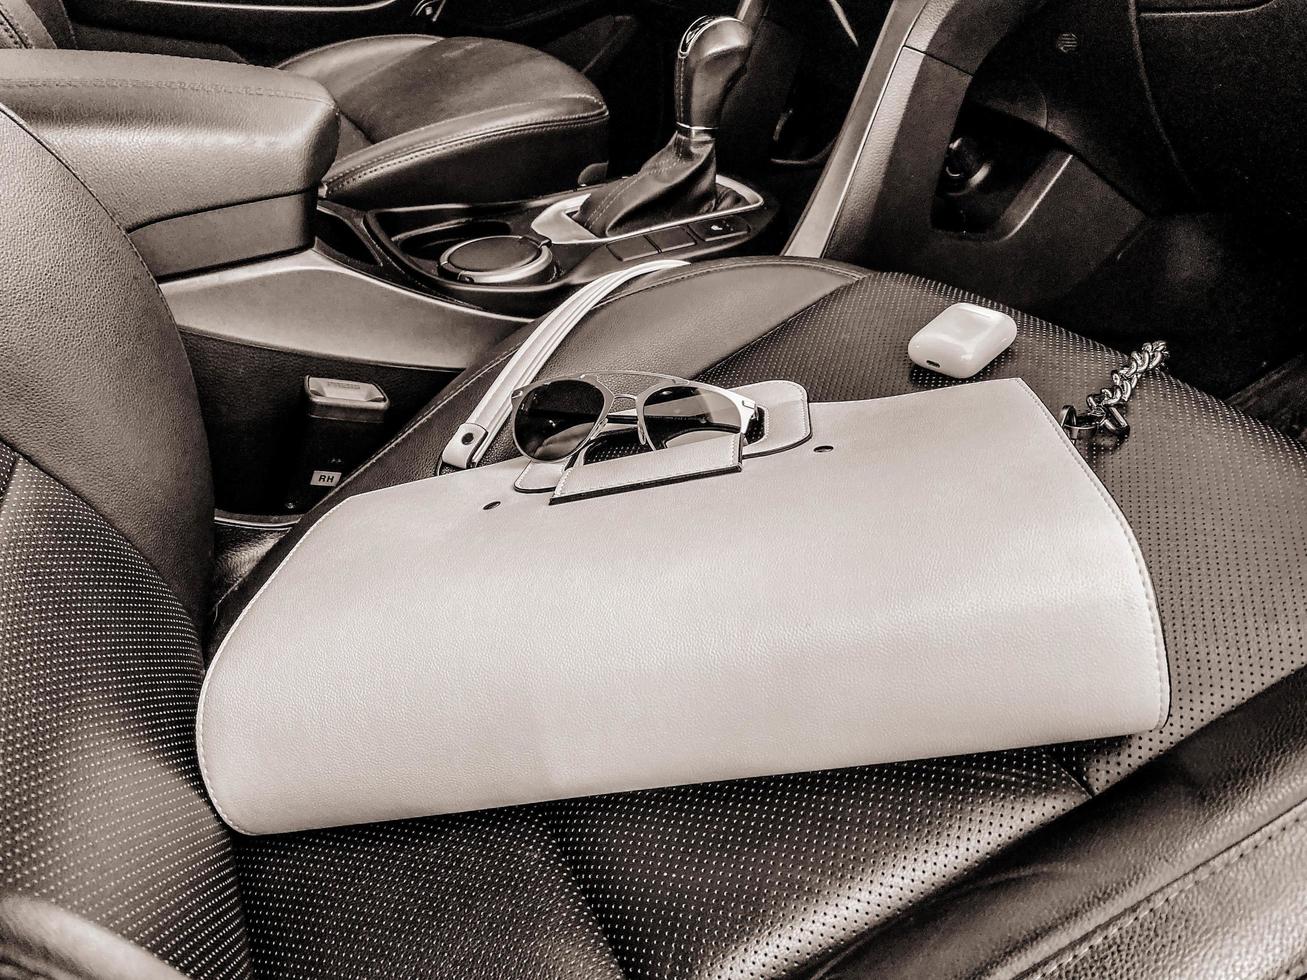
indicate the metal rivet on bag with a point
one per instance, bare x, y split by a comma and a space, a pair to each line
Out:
491, 506
823, 449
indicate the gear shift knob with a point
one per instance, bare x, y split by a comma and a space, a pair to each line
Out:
709, 62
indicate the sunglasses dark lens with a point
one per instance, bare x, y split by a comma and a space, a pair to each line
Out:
680, 413
553, 420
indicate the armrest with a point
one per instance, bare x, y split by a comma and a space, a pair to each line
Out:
203, 162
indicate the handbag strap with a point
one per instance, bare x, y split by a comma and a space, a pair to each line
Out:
473, 438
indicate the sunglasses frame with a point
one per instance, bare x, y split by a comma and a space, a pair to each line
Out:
747, 408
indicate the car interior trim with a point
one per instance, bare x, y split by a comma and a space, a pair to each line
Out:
817, 224
227, 235
307, 303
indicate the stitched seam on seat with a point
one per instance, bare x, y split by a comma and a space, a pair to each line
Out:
7, 473
204, 87
739, 263
1196, 876
19, 33
1071, 774
8, 31
355, 175
600, 107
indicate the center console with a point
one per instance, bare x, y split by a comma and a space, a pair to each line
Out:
524, 258
214, 171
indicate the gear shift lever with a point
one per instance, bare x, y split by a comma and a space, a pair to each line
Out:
680, 180
709, 62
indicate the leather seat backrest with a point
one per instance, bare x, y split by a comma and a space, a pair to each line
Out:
35, 24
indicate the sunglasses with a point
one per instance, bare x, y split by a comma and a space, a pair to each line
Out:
554, 420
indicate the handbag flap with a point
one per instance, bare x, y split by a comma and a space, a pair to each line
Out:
930, 574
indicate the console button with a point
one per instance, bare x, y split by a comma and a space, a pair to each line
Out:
670, 239
718, 229
628, 249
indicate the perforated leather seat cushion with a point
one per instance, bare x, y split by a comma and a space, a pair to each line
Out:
765, 878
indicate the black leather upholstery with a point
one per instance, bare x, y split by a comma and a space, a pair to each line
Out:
425, 120
156, 137
458, 119
763, 879
96, 388
1176, 872
102, 814
102, 811
34, 24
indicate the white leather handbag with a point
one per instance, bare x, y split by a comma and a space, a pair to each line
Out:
931, 574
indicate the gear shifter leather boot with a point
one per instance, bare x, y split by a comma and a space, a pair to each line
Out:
680, 180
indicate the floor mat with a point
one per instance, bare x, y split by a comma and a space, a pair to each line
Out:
1222, 290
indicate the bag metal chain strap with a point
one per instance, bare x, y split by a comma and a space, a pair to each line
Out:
1103, 412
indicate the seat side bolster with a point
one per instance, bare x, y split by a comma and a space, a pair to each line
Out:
99, 391
1173, 872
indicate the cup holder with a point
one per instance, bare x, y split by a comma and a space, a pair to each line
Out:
477, 253
497, 260
429, 244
